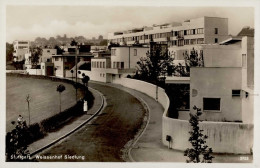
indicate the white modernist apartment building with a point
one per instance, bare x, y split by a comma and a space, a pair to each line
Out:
204, 30
20, 49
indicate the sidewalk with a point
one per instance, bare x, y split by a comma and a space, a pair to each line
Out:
149, 147
50, 137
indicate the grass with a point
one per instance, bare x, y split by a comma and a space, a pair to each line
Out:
44, 99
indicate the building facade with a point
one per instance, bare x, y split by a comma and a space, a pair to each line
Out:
204, 30
20, 49
223, 88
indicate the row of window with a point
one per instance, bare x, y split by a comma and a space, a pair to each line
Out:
113, 52
98, 64
187, 42
160, 35
118, 65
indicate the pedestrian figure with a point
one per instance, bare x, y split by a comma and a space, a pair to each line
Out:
20, 119
85, 106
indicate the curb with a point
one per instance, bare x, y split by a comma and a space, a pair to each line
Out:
72, 131
141, 132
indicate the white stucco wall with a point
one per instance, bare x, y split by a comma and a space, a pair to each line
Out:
223, 137
123, 55
34, 71
217, 83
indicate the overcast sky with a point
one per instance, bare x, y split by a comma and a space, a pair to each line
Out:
29, 22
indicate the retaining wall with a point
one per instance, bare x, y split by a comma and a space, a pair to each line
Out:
223, 137
34, 71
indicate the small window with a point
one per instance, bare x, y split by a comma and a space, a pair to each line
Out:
236, 93
122, 65
211, 104
216, 40
216, 30
244, 60
48, 51
104, 65
185, 32
135, 52
56, 58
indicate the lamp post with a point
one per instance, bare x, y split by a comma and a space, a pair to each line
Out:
28, 99
76, 63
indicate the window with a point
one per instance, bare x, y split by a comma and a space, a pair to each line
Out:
216, 40
174, 42
216, 30
244, 60
113, 52
200, 31
97, 64
101, 65
56, 58
193, 41
114, 64
104, 65
135, 52
200, 41
48, 51
211, 104
236, 93
185, 32
48, 60
186, 42
118, 64
122, 65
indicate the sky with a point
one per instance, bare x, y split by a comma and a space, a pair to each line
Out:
28, 22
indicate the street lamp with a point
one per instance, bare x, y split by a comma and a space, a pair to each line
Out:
28, 99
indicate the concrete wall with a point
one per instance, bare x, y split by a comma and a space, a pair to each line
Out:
100, 76
34, 71
146, 88
223, 137
217, 83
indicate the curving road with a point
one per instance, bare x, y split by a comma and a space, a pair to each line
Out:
102, 140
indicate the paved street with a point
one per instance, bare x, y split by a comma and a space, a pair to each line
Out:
103, 139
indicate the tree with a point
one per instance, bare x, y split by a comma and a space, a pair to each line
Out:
192, 60
35, 56
59, 50
103, 43
85, 80
112, 45
9, 52
155, 64
73, 43
60, 89
198, 141
16, 143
